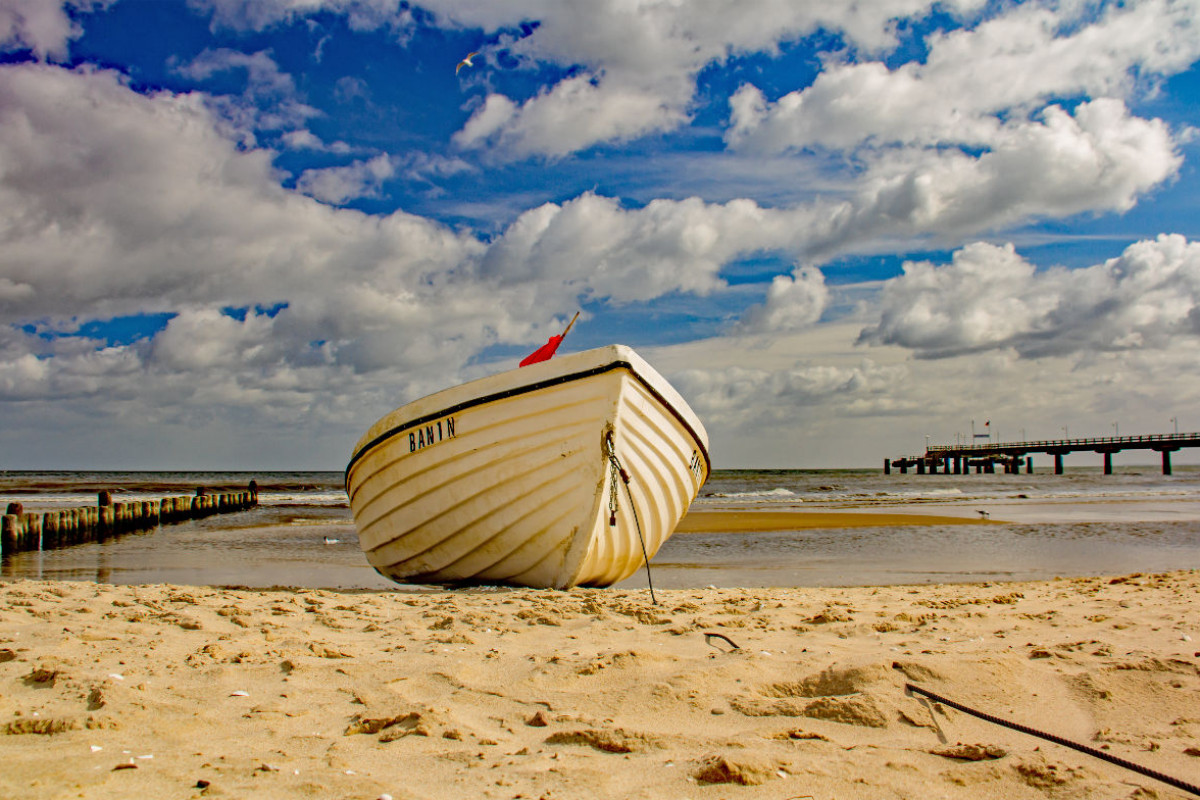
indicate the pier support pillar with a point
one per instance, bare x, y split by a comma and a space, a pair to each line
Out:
958, 465
1058, 465
1108, 463
1028, 465
1166, 454
921, 466
903, 467
887, 466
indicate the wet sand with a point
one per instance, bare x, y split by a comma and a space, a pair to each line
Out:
718, 517
740, 521
173, 691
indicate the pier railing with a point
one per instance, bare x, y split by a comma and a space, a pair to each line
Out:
22, 530
1158, 441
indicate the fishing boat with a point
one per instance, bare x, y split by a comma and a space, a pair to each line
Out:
567, 472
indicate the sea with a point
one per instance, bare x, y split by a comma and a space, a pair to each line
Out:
301, 534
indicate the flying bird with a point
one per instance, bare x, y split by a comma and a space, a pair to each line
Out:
466, 62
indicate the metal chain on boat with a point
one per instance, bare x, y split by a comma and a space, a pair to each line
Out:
615, 470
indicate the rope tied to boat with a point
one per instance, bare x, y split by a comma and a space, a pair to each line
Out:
617, 471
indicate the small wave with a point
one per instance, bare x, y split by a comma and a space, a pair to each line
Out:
337, 498
951, 492
779, 492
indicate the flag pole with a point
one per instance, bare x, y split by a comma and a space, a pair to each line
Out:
570, 324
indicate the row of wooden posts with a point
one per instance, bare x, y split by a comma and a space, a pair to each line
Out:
45, 530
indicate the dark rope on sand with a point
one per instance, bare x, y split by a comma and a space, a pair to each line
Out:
710, 635
1050, 737
617, 469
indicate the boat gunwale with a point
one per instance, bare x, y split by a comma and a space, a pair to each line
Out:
525, 389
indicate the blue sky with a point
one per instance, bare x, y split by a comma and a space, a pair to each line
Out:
235, 232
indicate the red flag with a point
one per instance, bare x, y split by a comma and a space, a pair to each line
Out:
543, 353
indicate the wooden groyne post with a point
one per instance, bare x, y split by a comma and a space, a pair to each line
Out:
21, 530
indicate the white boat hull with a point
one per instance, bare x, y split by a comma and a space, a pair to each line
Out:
508, 479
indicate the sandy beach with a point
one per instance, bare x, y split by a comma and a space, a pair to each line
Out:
172, 691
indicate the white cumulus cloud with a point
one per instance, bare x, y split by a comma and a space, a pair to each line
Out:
638, 63
975, 82
44, 27
337, 185
793, 302
989, 297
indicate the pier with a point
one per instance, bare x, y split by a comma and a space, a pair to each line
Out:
960, 459
22, 530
